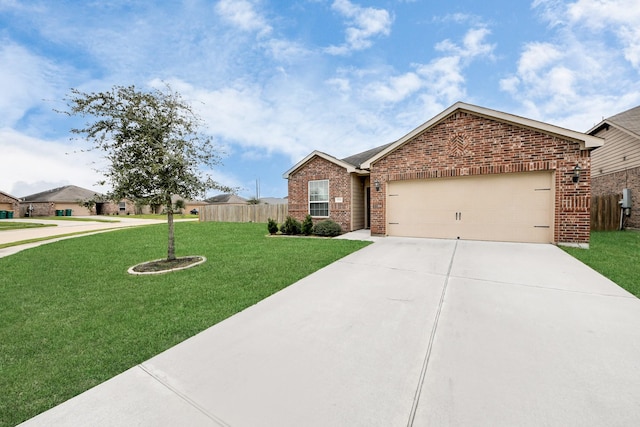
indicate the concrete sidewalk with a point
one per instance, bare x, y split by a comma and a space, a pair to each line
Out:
403, 332
63, 227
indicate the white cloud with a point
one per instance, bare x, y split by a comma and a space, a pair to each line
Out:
286, 51
580, 71
442, 78
243, 15
473, 44
364, 23
397, 88
621, 17
25, 80
37, 165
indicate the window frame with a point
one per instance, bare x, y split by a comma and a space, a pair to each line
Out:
318, 202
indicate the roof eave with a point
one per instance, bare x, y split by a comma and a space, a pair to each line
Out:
606, 122
349, 167
587, 142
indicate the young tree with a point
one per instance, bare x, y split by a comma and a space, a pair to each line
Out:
153, 146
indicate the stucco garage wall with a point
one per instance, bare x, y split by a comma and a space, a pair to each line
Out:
466, 144
339, 187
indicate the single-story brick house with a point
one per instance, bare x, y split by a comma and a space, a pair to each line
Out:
616, 165
470, 173
9, 203
46, 203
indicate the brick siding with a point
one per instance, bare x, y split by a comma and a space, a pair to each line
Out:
613, 183
318, 168
464, 144
10, 204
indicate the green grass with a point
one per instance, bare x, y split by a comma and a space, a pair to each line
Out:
42, 239
164, 216
71, 316
14, 225
616, 255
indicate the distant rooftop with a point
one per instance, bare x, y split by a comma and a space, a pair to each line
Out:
66, 194
227, 199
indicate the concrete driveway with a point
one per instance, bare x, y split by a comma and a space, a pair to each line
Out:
405, 332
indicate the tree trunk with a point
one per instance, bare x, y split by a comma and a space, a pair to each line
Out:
171, 247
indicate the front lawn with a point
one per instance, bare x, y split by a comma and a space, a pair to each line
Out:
71, 316
164, 216
616, 255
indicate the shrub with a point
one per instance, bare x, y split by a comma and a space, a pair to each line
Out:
328, 228
291, 226
272, 226
307, 225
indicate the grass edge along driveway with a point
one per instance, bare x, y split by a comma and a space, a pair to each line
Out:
614, 254
72, 317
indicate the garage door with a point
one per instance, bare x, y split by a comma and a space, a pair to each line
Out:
507, 207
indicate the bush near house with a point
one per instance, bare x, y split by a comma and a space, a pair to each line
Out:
291, 226
307, 225
272, 226
327, 228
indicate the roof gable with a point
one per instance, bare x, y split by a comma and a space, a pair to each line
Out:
586, 141
68, 193
9, 196
348, 166
628, 121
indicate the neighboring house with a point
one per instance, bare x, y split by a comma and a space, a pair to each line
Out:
468, 173
227, 199
273, 200
9, 203
68, 197
189, 204
616, 165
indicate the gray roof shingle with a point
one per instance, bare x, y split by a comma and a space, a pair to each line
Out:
66, 194
358, 159
629, 120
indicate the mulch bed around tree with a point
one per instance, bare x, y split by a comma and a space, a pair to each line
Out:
165, 266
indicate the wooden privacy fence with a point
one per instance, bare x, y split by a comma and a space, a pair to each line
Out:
244, 213
605, 212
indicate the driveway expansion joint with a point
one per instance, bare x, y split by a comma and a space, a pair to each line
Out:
425, 364
184, 397
548, 288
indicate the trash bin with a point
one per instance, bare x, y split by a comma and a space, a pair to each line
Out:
10, 214
59, 212
68, 212
3, 214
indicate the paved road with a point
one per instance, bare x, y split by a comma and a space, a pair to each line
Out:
405, 332
63, 227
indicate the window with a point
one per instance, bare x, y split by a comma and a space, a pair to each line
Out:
319, 198
123, 206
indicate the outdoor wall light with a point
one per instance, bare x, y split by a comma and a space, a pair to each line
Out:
576, 173
376, 184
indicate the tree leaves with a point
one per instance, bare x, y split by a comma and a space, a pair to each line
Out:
152, 142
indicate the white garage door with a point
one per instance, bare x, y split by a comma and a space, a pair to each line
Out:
507, 207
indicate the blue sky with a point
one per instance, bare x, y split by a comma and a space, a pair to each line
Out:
275, 80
